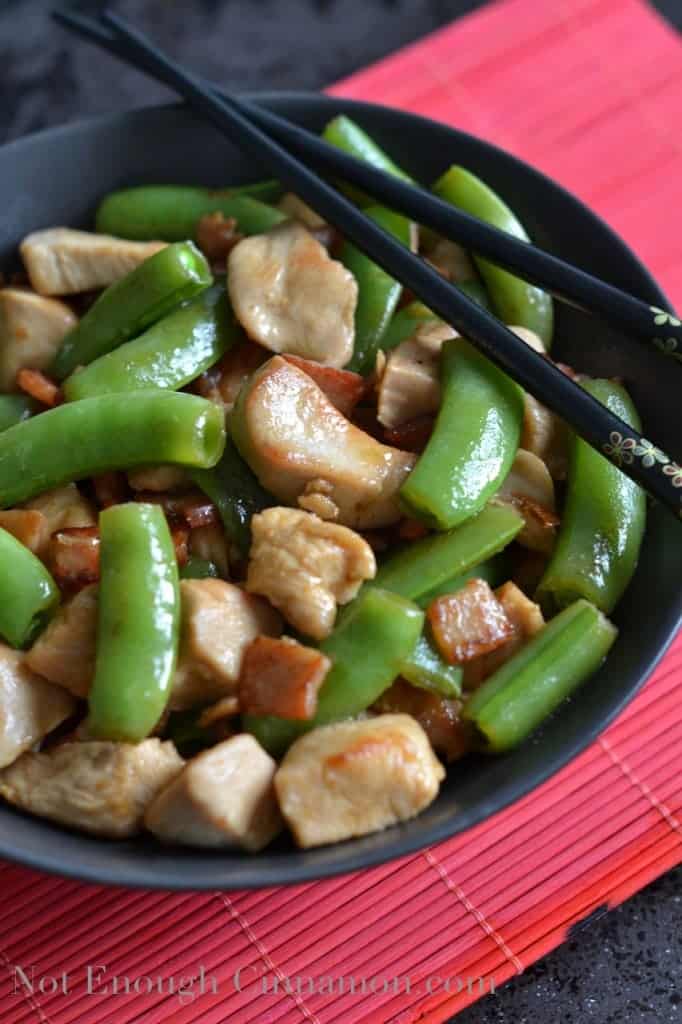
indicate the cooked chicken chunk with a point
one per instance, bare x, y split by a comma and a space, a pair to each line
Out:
219, 621
352, 778
468, 623
210, 543
293, 207
158, 478
343, 388
526, 619
290, 433
290, 296
451, 260
30, 707
101, 788
65, 652
530, 337
62, 261
281, 677
31, 332
409, 386
432, 335
440, 718
530, 489
29, 526
224, 797
65, 508
546, 436
306, 567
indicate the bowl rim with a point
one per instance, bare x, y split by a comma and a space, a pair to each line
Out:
289, 869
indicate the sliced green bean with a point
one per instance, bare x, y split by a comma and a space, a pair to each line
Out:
495, 572
419, 568
28, 594
474, 441
345, 134
132, 304
83, 439
372, 638
513, 300
170, 212
168, 355
15, 409
603, 522
426, 669
138, 623
199, 569
526, 689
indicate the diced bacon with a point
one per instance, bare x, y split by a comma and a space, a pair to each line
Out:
180, 537
469, 622
29, 526
73, 556
192, 509
222, 383
217, 235
281, 677
110, 489
411, 529
343, 388
526, 619
39, 386
412, 436
440, 718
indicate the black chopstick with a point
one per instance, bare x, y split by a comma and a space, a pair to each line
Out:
661, 477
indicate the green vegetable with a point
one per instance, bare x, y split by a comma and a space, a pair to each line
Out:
513, 300
352, 139
476, 292
473, 443
199, 569
603, 522
138, 300
378, 292
426, 669
138, 623
419, 568
495, 571
14, 409
233, 487
83, 439
28, 594
372, 638
404, 324
170, 212
526, 689
169, 354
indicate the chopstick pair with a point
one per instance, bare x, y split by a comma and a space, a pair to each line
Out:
244, 122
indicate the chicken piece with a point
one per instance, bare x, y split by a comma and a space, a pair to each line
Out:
225, 708
281, 677
219, 621
65, 651
468, 623
530, 337
451, 260
293, 207
65, 508
29, 526
546, 436
217, 235
31, 332
439, 717
223, 798
343, 388
306, 567
290, 296
30, 707
433, 334
290, 433
530, 489
210, 543
62, 261
316, 499
100, 788
352, 778
409, 386
158, 478
526, 619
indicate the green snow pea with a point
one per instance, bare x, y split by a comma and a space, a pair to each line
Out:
513, 300
199, 569
138, 623
603, 522
83, 439
345, 134
28, 594
168, 355
425, 668
170, 212
372, 638
495, 572
405, 322
473, 443
14, 409
138, 300
513, 701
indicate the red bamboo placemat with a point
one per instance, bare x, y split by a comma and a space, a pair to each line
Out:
591, 92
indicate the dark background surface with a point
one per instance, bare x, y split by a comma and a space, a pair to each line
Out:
626, 967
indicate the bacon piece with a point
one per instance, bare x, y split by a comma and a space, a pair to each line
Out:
217, 235
73, 556
468, 623
412, 436
343, 388
526, 619
110, 489
29, 526
192, 508
439, 718
222, 383
180, 538
39, 386
281, 677
411, 529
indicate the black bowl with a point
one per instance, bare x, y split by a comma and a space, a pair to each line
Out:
58, 176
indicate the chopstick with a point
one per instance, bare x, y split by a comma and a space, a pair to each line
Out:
659, 475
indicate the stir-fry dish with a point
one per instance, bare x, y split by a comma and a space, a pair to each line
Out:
276, 544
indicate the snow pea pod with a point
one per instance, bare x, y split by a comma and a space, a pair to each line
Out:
378, 292
494, 571
419, 568
513, 300
425, 668
83, 439
404, 324
603, 522
138, 623
373, 636
14, 409
199, 569
28, 594
526, 689
128, 306
170, 212
168, 355
345, 134
473, 443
